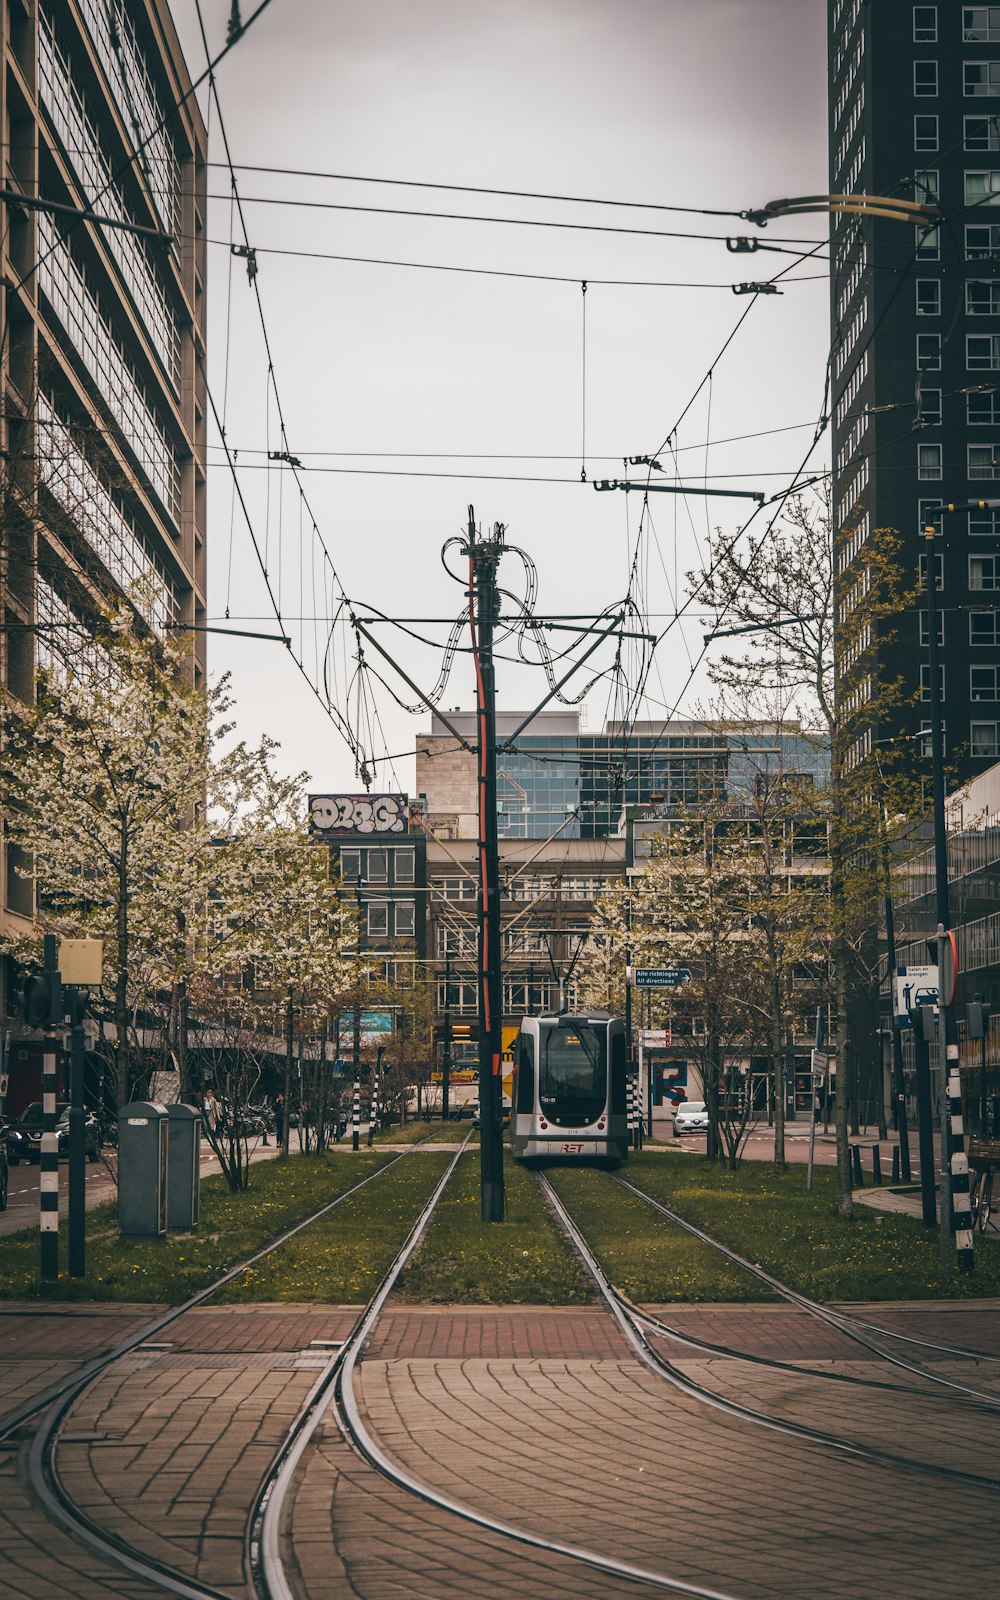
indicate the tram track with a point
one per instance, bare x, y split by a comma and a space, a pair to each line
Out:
634, 1323
849, 1327
265, 1555
53, 1405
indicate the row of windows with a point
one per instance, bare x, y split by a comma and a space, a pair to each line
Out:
858, 430
853, 543
850, 128
378, 865
77, 303
66, 104
849, 500
131, 82
852, 336
844, 96
982, 461
984, 628
462, 943
978, 132
982, 410
63, 639
980, 24
856, 274
982, 297
99, 513
984, 681
518, 996
979, 78
855, 381
391, 919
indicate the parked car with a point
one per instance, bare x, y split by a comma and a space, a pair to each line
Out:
24, 1137
93, 1135
691, 1116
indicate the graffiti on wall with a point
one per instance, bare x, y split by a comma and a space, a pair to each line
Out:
359, 813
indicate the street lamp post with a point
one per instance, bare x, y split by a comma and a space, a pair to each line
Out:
954, 1206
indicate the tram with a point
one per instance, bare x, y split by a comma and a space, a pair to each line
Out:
568, 1099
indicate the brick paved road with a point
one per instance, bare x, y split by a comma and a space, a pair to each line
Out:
539, 1415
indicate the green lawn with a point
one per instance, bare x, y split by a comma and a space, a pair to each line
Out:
342, 1259
776, 1223
169, 1270
523, 1260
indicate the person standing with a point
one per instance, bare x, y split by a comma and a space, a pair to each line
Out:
279, 1119
210, 1110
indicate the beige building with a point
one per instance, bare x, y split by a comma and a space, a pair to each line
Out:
102, 337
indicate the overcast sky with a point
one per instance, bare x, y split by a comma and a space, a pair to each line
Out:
402, 372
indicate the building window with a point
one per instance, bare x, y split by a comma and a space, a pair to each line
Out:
405, 916
925, 681
20, 886
925, 133
377, 867
984, 682
982, 241
925, 79
983, 460
925, 631
980, 24
982, 352
925, 24
984, 628
929, 408
982, 188
926, 746
350, 865
928, 297
982, 298
378, 919
984, 409
980, 133
984, 738
928, 244
928, 461
938, 568
983, 572
979, 78
404, 864
929, 352
984, 524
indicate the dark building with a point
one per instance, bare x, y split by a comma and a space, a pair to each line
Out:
381, 854
915, 364
102, 345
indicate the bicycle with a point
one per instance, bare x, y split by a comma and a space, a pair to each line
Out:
984, 1159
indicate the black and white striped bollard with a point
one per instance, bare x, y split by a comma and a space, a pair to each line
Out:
48, 1187
356, 1116
961, 1203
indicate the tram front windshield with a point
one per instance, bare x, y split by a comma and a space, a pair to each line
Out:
573, 1074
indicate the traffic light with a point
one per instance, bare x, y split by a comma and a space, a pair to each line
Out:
41, 1000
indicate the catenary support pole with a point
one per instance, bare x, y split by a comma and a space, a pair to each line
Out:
484, 556
925, 1118
898, 1080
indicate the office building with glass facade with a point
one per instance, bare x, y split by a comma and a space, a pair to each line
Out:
102, 351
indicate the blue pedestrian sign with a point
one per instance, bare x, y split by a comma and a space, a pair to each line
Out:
660, 977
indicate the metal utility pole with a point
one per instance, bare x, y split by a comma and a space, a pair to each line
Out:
446, 1044
484, 605
76, 1000
955, 1207
898, 1080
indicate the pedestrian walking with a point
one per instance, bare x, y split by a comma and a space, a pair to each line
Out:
279, 1119
210, 1111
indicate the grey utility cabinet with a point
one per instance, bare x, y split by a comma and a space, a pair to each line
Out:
183, 1167
142, 1170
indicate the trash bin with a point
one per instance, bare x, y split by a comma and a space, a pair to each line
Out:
183, 1167
142, 1170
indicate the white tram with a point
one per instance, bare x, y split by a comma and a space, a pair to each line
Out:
569, 1092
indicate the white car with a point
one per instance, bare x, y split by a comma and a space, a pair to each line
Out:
691, 1116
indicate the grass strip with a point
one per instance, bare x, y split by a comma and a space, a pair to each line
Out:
436, 1132
524, 1260
649, 1258
166, 1271
800, 1238
342, 1259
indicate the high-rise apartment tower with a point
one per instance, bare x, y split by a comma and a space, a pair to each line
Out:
915, 113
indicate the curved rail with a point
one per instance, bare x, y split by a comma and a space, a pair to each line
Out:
630, 1321
42, 1464
843, 1323
336, 1383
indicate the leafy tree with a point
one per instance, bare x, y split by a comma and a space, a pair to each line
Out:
812, 620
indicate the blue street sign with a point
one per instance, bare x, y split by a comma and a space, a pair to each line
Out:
660, 977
